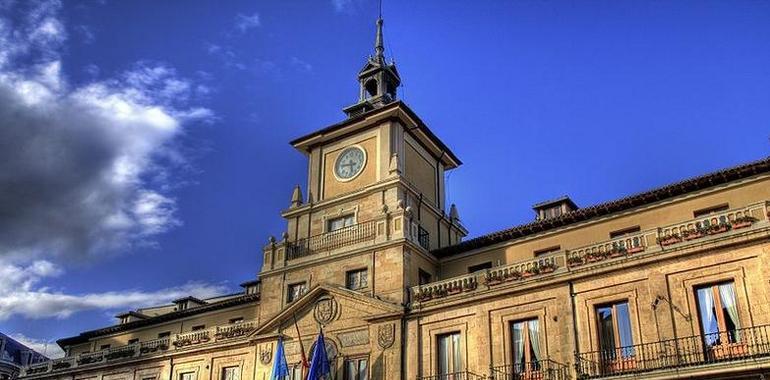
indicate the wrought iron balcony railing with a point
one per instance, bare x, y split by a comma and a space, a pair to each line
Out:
462, 375
342, 237
544, 369
741, 344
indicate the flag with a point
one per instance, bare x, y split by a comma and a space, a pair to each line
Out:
280, 368
305, 366
319, 363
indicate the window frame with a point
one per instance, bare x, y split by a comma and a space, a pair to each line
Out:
547, 250
423, 275
455, 349
479, 267
619, 351
290, 297
344, 218
357, 273
198, 328
625, 232
358, 360
530, 364
710, 210
719, 312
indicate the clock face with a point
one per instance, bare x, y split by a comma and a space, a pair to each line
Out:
349, 163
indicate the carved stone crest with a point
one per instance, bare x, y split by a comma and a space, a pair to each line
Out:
266, 355
326, 310
386, 335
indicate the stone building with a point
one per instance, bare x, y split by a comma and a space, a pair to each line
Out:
672, 282
14, 356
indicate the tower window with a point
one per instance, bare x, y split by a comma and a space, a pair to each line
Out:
339, 223
371, 88
356, 279
296, 291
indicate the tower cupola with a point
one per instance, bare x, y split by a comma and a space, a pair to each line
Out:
378, 79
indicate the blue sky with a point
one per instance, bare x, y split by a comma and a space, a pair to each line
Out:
596, 100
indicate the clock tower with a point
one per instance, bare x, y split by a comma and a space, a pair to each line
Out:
371, 212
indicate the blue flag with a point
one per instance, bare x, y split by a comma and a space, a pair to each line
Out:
319, 363
280, 368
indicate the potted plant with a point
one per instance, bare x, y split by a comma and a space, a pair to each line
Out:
547, 267
512, 275
692, 234
743, 221
618, 251
493, 279
669, 239
574, 261
635, 248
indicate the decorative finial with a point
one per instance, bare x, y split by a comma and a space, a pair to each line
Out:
296, 197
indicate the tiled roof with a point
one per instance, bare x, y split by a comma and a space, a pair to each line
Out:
85, 336
607, 208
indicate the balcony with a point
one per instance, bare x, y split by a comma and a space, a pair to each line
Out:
751, 343
653, 242
545, 369
462, 375
146, 348
346, 236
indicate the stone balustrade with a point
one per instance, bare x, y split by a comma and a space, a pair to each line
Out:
651, 241
444, 288
712, 224
150, 347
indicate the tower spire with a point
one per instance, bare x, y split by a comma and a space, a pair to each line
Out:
378, 80
379, 48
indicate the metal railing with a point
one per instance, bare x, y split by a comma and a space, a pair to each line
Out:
462, 375
544, 369
740, 344
342, 237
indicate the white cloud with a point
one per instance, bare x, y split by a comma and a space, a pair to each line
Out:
245, 22
84, 170
48, 348
21, 294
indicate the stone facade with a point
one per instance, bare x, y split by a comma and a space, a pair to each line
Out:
376, 258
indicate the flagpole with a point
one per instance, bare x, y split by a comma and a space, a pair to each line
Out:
301, 348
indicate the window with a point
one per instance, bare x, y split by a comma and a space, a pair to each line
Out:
133, 341
164, 334
356, 279
625, 231
231, 373
235, 320
295, 373
356, 369
198, 327
478, 267
296, 291
525, 337
104, 347
149, 378
710, 210
614, 326
187, 376
449, 358
423, 277
718, 313
552, 212
540, 252
341, 222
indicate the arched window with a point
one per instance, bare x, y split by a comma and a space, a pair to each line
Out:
371, 88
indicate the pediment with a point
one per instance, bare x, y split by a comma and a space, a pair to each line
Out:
330, 306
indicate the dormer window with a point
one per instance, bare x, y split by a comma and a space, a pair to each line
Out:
554, 208
188, 303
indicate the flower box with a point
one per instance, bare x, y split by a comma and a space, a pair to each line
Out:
547, 269
575, 261
718, 229
743, 222
619, 365
692, 235
617, 253
633, 250
728, 351
669, 240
